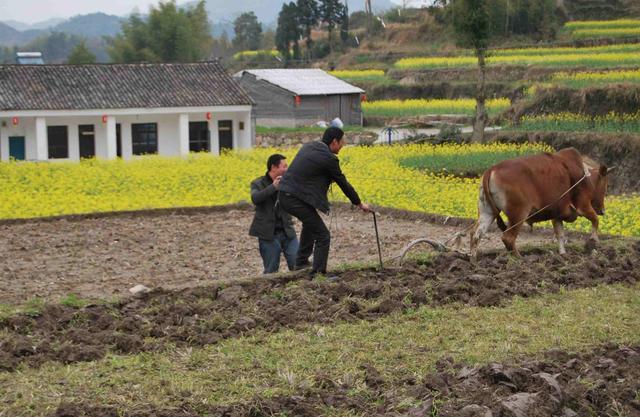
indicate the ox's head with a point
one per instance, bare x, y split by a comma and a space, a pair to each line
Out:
600, 181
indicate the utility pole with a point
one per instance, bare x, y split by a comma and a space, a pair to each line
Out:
506, 22
369, 13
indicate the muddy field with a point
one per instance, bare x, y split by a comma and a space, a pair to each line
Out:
204, 272
102, 257
207, 314
604, 382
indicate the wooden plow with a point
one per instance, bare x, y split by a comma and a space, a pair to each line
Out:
453, 244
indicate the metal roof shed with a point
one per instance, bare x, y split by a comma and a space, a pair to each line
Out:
300, 97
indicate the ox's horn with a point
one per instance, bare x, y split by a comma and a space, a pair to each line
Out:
609, 169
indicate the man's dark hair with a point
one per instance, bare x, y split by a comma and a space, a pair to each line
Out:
332, 133
274, 160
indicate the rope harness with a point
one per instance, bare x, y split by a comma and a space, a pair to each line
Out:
548, 205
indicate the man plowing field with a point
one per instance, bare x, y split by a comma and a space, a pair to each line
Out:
303, 191
557, 187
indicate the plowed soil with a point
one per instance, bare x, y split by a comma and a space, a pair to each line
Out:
207, 314
104, 256
604, 382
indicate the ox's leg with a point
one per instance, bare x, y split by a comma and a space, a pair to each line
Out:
516, 219
592, 216
558, 230
585, 209
485, 220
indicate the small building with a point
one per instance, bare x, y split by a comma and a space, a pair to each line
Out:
300, 97
29, 58
68, 112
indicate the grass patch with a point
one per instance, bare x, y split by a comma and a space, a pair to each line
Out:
376, 77
401, 345
355, 266
575, 122
35, 305
464, 165
73, 301
586, 79
32, 307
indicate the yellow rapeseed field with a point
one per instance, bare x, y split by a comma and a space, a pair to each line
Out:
369, 75
585, 50
604, 28
600, 76
596, 56
605, 33
602, 24
576, 122
417, 107
357, 73
45, 189
569, 117
549, 60
238, 56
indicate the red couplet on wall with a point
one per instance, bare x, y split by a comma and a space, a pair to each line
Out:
298, 100
104, 118
15, 121
208, 115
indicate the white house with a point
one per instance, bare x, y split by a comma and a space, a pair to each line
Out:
68, 112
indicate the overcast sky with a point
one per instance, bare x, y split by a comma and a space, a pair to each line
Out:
31, 11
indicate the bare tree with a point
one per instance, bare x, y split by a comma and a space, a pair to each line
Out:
472, 28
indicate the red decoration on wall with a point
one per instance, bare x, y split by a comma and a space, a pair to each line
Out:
15, 121
298, 100
363, 98
104, 118
208, 115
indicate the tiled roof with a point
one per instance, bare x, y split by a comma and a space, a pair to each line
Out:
304, 82
117, 86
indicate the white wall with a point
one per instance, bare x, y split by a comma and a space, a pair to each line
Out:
27, 128
242, 139
168, 132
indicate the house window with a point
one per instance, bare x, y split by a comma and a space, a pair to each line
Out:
118, 141
144, 138
58, 141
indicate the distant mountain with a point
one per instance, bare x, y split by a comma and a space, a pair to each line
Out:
9, 36
94, 25
90, 25
21, 26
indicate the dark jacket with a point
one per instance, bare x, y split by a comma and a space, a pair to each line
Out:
264, 196
313, 169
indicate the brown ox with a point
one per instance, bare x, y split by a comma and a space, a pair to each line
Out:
523, 186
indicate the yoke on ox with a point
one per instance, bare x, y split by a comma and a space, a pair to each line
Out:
557, 187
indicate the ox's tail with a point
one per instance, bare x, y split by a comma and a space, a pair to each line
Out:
491, 201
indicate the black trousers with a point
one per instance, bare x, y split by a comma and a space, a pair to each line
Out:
314, 238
